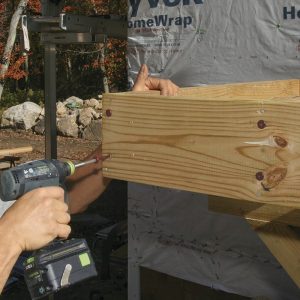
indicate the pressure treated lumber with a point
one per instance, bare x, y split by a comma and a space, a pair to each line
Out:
248, 91
252, 211
284, 244
238, 141
14, 151
270, 223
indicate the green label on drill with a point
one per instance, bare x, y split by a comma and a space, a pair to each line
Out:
84, 259
30, 260
34, 274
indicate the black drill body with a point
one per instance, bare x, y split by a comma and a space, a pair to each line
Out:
26, 177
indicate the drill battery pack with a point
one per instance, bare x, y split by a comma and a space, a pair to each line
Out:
57, 266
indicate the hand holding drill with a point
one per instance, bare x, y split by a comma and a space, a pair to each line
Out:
39, 216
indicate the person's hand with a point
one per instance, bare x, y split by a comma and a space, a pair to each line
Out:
37, 218
145, 83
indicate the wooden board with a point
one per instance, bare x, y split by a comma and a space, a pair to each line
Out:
14, 151
251, 211
270, 223
284, 244
223, 142
248, 91
4, 165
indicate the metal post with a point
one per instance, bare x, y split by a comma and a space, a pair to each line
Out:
50, 8
50, 102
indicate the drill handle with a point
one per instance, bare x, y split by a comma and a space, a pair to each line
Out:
66, 195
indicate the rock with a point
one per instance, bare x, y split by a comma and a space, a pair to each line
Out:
61, 109
39, 128
94, 103
87, 115
42, 114
93, 131
22, 116
73, 102
5, 123
67, 126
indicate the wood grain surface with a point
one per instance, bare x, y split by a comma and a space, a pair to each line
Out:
14, 151
252, 211
284, 244
238, 141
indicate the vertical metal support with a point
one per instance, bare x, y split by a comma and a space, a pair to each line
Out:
50, 101
134, 243
50, 8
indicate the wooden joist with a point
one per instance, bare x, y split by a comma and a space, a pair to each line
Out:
253, 211
270, 222
284, 244
239, 141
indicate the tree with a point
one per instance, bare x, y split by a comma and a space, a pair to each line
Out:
100, 65
6, 57
80, 68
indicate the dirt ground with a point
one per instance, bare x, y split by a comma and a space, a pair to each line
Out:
68, 148
109, 209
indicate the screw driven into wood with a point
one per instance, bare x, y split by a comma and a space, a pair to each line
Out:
260, 176
261, 124
108, 112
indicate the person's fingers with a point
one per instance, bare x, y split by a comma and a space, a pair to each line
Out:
62, 217
60, 206
166, 86
63, 231
153, 83
49, 192
171, 90
141, 78
145, 82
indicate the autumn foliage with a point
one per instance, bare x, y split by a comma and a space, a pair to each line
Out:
15, 70
34, 6
78, 66
115, 50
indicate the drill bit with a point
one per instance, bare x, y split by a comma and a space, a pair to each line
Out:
84, 163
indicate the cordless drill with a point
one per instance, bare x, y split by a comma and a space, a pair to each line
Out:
60, 263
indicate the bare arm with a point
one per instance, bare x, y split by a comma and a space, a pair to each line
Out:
87, 184
9, 253
30, 223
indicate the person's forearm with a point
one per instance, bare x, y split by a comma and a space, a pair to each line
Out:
87, 184
9, 253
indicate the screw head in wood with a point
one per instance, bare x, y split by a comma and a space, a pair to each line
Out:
260, 176
108, 112
261, 124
